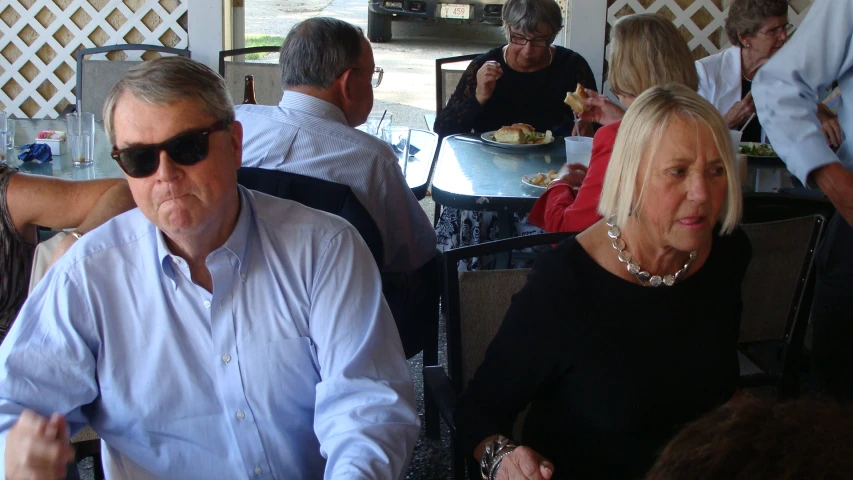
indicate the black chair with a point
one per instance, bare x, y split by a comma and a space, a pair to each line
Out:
474, 304
319, 194
267, 75
785, 231
95, 78
446, 80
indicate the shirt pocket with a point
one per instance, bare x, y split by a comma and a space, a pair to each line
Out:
294, 375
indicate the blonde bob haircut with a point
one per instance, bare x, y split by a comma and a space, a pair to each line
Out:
647, 50
639, 137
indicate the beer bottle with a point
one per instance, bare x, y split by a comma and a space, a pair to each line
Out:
249, 91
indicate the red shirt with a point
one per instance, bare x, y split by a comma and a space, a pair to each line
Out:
561, 210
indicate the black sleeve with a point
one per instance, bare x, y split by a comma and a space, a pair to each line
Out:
461, 111
521, 357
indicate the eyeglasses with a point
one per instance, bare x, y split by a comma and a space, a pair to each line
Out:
539, 42
186, 148
773, 32
376, 79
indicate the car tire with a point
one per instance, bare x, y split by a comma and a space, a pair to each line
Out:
378, 27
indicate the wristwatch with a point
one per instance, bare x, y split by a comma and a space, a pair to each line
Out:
76, 234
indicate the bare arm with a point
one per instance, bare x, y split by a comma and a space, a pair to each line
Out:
58, 204
837, 183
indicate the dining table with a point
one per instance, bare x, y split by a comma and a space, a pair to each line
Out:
26, 131
472, 174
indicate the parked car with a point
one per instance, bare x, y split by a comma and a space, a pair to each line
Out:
380, 13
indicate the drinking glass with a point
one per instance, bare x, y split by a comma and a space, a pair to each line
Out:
398, 139
4, 145
578, 150
81, 150
81, 125
373, 123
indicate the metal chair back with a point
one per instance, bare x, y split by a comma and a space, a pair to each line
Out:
447, 77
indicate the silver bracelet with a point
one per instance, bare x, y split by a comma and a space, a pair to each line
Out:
493, 454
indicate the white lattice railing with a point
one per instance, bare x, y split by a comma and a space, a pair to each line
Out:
700, 21
38, 39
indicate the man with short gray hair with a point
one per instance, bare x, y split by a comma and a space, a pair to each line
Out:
327, 72
214, 332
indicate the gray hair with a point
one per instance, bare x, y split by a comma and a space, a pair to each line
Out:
168, 80
527, 15
640, 135
746, 16
317, 51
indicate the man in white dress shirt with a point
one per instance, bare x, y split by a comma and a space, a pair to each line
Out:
786, 94
214, 332
328, 74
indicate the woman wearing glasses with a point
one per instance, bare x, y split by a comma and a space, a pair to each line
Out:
757, 30
525, 81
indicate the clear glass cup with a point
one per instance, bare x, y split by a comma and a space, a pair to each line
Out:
10, 133
81, 125
81, 150
373, 123
578, 150
398, 139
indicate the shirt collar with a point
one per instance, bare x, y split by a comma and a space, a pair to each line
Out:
312, 105
236, 243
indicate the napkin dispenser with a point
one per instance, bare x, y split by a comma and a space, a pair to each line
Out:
55, 139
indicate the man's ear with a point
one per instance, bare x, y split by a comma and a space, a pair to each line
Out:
237, 142
347, 89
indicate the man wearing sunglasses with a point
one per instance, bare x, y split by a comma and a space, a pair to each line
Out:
214, 332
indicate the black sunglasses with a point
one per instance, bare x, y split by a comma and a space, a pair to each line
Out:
186, 148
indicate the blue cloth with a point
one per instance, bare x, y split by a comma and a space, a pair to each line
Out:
787, 88
293, 357
35, 151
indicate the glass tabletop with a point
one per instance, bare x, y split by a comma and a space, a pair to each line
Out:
471, 174
419, 164
103, 165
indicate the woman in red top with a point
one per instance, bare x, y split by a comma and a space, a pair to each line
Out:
645, 50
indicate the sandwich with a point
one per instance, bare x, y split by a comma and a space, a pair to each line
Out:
513, 135
527, 129
574, 99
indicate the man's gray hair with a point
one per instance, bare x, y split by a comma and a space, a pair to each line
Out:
527, 15
317, 51
168, 80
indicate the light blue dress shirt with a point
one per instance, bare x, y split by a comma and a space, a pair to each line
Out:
787, 88
291, 368
309, 136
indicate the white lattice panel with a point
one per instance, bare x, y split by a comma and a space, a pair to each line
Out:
700, 21
38, 39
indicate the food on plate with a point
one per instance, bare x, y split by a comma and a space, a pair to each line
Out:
522, 134
513, 135
573, 99
757, 149
543, 179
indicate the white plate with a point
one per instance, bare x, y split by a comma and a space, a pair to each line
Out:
526, 180
489, 137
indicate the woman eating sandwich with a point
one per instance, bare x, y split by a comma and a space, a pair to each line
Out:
645, 50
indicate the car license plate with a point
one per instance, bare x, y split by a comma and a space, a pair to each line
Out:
454, 10
394, 5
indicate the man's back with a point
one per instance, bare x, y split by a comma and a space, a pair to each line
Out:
310, 137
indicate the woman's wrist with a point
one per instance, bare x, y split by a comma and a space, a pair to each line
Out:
493, 454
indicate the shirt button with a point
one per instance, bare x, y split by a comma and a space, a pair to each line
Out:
206, 304
259, 471
243, 276
226, 358
240, 416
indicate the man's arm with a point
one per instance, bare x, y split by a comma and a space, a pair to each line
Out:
47, 367
786, 87
365, 417
54, 203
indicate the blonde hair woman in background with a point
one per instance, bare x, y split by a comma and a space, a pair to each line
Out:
628, 330
645, 50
